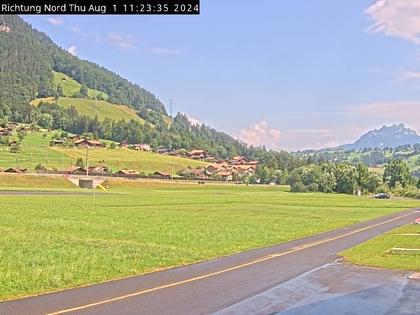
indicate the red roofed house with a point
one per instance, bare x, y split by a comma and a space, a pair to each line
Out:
75, 170
99, 170
197, 154
225, 175
239, 160
142, 147
17, 170
162, 175
88, 143
127, 173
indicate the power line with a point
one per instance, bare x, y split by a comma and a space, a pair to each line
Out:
171, 107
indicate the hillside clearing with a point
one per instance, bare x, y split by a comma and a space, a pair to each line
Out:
71, 86
102, 109
92, 108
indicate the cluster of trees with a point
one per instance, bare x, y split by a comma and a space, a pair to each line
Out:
368, 156
349, 179
330, 177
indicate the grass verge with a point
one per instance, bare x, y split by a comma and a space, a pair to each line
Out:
376, 252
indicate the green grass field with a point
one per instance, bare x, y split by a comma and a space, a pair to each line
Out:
146, 162
102, 109
71, 86
92, 108
50, 243
375, 252
35, 150
33, 182
89, 107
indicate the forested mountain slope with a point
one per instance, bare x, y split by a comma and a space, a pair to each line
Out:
28, 58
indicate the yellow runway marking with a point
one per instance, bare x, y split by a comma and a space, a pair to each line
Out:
253, 262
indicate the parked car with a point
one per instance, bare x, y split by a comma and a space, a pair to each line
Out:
381, 196
417, 221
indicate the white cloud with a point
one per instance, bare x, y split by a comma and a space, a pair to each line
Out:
390, 112
261, 134
73, 50
193, 121
295, 139
409, 75
82, 34
164, 51
76, 29
310, 131
317, 138
398, 18
55, 21
124, 42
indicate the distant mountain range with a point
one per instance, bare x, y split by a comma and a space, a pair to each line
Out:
387, 136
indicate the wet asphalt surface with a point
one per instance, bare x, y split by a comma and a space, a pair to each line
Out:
337, 289
298, 277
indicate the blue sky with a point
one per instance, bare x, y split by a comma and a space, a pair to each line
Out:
288, 74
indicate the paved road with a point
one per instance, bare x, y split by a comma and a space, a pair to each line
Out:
210, 286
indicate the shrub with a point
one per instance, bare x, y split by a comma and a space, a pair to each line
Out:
40, 168
298, 187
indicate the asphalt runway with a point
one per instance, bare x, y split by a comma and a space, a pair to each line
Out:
211, 286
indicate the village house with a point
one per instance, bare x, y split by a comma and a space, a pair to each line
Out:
4, 132
197, 154
56, 142
225, 175
238, 160
142, 147
244, 169
4, 28
86, 143
163, 150
200, 173
23, 128
99, 170
12, 125
74, 137
238, 165
75, 170
210, 159
124, 145
127, 173
162, 175
16, 170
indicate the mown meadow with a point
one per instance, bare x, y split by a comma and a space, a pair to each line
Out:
54, 242
35, 150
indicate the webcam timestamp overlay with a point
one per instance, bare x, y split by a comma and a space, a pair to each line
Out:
136, 7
